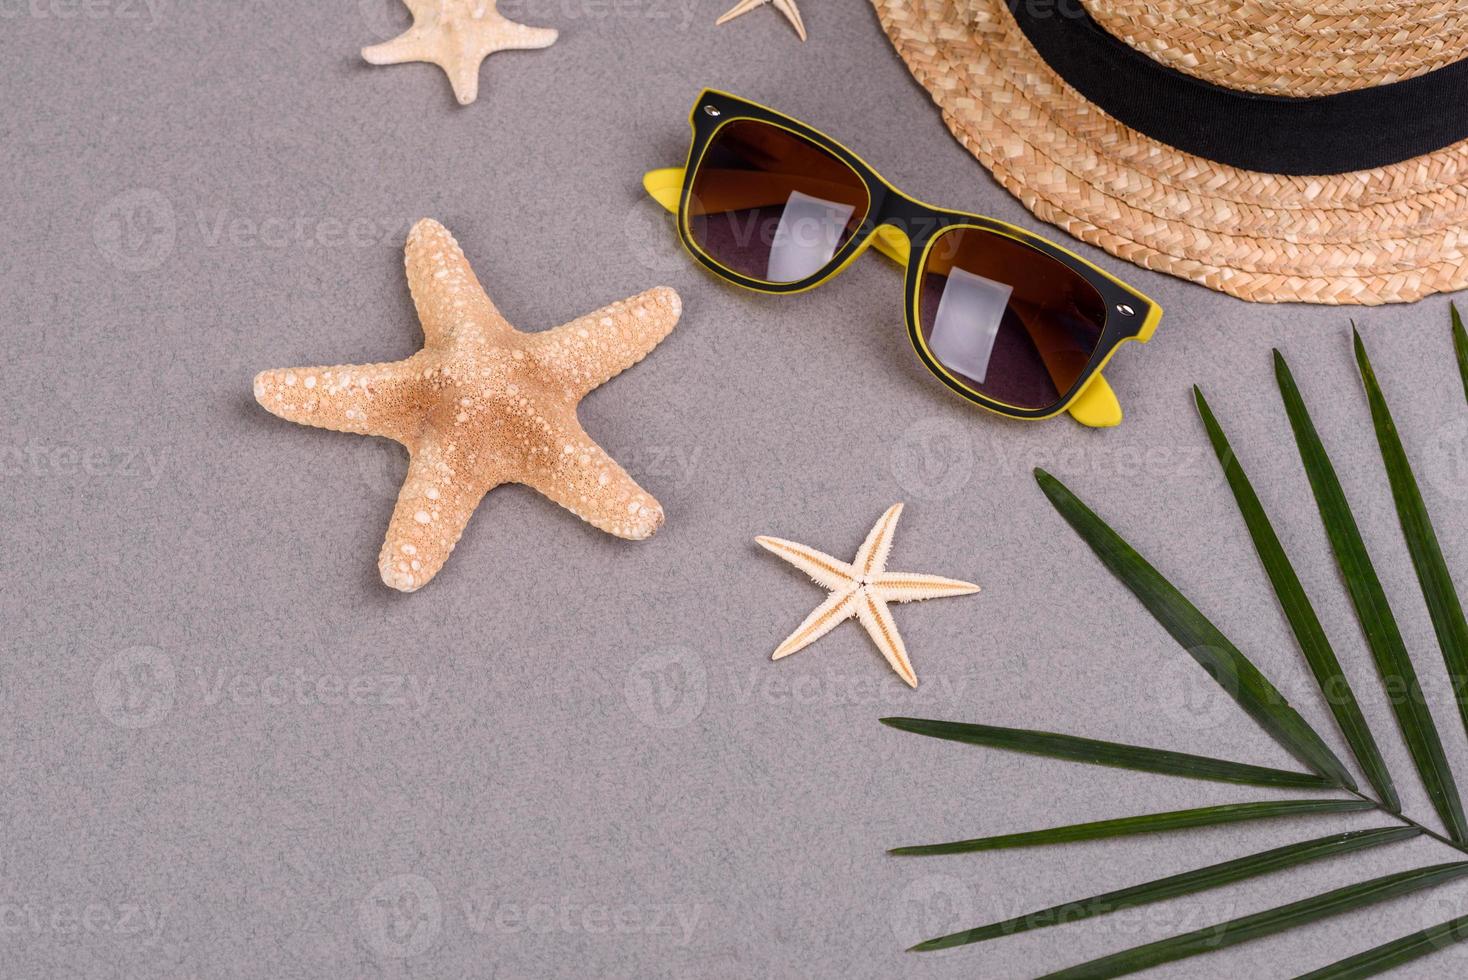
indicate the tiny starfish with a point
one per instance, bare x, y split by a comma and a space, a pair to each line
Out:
862, 589
480, 405
457, 35
786, 7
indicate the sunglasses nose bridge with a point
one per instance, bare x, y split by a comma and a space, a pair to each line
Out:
893, 240
901, 223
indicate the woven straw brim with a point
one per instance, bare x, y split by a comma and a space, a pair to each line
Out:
1291, 48
1392, 234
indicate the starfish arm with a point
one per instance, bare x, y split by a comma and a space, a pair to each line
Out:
792, 14
786, 7
510, 36
463, 70
593, 348
580, 476
371, 399
409, 46
435, 504
739, 9
829, 573
450, 301
837, 609
871, 559
909, 587
457, 35
877, 619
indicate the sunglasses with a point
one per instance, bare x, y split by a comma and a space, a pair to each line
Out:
1012, 322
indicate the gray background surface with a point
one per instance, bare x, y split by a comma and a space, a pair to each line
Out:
229, 751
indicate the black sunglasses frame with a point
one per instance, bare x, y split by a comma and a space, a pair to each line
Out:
1127, 311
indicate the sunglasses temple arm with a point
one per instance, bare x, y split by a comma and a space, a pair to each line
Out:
1096, 406
665, 186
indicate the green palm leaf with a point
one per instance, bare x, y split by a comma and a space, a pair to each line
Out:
1300, 613
1427, 556
1383, 637
1187, 883
1460, 345
1147, 823
1199, 637
1264, 703
1100, 753
1390, 955
1269, 922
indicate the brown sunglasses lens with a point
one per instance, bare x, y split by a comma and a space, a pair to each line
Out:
771, 205
1007, 320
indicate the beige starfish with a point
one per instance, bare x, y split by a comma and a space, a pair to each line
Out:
480, 405
786, 7
457, 35
862, 589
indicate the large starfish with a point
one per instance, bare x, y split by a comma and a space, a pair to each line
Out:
480, 405
786, 7
457, 35
862, 589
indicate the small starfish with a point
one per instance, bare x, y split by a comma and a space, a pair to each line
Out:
786, 7
480, 405
457, 35
862, 589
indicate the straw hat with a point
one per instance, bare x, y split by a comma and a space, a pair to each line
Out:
1278, 150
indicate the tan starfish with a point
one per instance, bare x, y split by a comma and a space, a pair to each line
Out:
786, 7
457, 35
480, 405
862, 589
